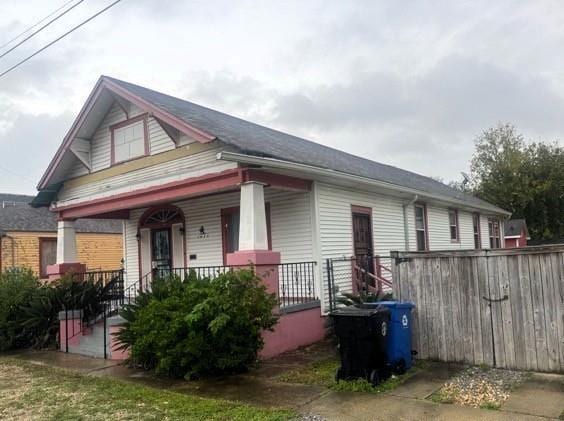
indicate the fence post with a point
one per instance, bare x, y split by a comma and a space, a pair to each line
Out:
105, 333
67, 329
329, 287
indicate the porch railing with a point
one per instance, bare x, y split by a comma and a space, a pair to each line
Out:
296, 281
110, 299
296, 284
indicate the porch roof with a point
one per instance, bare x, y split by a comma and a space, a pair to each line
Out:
118, 205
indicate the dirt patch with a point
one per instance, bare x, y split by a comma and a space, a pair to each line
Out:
480, 387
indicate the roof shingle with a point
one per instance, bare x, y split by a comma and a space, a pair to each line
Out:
17, 215
254, 139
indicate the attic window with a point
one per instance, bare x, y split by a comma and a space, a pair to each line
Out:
129, 139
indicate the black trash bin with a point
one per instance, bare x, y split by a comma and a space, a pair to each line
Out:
363, 335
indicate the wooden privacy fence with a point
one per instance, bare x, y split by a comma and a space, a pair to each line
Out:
502, 308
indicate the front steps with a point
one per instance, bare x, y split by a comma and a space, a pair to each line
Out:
89, 341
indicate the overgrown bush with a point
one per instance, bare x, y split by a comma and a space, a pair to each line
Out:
29, 309
17, 287
199, 327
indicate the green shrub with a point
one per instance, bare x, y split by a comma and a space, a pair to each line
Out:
199, 327
17, 287
29, 309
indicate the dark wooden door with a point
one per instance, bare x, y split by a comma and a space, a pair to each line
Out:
362, 234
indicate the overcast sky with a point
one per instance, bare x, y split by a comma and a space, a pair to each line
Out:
408, 83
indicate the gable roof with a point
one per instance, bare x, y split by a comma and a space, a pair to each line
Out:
253, 139
514, 228
17, 215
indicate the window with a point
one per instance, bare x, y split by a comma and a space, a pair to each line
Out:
129, 139
47, 255
230, 230
493, 228
477, 234
453, 223
421, 227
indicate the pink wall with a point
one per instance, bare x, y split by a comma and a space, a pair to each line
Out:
74, 331
294, 330
116, 354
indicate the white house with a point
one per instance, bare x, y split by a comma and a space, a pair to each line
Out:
193, 186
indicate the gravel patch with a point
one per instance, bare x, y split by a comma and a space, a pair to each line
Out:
480, 387
311, 418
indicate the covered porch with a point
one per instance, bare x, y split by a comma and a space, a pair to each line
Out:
208, 225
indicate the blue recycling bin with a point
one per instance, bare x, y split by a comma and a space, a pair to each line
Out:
399, 340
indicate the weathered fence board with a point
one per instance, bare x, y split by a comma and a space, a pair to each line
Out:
497, 307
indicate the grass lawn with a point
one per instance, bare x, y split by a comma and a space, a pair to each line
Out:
31, 392
323, 374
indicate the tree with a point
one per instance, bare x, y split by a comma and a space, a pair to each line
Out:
527, 180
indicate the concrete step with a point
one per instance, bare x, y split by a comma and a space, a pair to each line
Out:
92, 343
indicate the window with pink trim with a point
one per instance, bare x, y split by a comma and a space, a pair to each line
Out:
129, 139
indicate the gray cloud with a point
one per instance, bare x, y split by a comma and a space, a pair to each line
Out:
407, 85
27, 148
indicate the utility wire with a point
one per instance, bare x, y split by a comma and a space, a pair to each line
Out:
16, 174
60, 15
58, 39
35, 24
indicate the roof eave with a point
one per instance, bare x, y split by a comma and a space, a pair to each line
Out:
281, 164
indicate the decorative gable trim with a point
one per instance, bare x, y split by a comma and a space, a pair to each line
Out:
103, 83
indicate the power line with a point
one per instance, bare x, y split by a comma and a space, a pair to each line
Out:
35, 24
16, 174
40, 29
58, 39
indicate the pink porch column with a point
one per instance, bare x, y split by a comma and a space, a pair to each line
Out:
66, 252
293, 329
266, 265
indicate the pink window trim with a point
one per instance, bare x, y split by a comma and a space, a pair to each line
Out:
125, 123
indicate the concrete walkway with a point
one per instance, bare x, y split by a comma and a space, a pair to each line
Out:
540, 398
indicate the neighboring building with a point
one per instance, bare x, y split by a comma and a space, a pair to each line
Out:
516, 233
199, 188
28, 238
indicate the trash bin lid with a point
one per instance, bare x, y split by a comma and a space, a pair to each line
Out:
359, 312
398, 304
390, 304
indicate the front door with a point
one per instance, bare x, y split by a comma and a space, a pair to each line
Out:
161, 249
362, 235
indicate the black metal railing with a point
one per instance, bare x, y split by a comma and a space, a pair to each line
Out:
296, 281
296, 284
109, 300
296, 287
198, 271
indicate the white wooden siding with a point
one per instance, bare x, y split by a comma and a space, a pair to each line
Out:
182, 168
335, 228
159, 141
101, 140
131, 247
291, 226
439, 229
